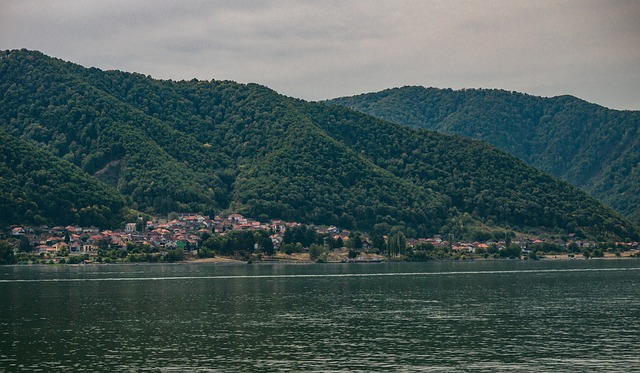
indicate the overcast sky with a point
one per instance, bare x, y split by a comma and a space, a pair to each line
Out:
325, 49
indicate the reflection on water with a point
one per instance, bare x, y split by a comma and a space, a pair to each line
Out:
442, 316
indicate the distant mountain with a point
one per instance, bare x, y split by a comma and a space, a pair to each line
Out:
211, 145
592, 147
38, 188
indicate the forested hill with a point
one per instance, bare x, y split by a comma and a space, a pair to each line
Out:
39, 188
592, 147
205, 146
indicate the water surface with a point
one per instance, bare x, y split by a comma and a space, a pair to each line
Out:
437, 316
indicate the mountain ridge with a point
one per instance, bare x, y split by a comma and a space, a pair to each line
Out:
591, 146
212, 145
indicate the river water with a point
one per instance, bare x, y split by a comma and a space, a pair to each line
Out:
498, 316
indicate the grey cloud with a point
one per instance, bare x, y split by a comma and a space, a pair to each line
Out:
317, 50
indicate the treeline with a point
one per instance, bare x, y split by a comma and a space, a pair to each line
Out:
240, 244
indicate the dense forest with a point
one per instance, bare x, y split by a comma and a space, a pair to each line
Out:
592, 147
38, 188
205, 146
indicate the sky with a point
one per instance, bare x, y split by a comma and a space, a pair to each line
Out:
318, 50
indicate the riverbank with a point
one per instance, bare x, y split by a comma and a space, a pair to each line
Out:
623, 255
333, 256
341, 256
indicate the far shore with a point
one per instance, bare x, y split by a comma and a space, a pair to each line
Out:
563, 256
341, 257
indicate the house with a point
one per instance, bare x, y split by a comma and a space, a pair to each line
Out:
95, 239
46, 249
130, 227
53, 240
366, 245
89, 248
278, 226
75, 247
175, 224
236, 217
276, 239
91, 230
482, 246
61, 246
191, 217
58, 230
117, 242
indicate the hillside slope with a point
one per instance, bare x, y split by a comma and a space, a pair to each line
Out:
211, 145
592, 147
39, 188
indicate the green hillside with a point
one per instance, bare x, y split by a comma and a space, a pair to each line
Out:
592, 147
39, 188
212, 145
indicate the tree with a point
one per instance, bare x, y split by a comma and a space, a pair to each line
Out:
573, 247
355, 241
397, 245
377, 241
511, 251
25, 245
303, 234
63, 250
507, 240
315, 251
597, 253
174, 256
263, 242
7, 255
141, 224
287, 248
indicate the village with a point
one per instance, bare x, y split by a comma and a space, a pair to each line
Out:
186, 232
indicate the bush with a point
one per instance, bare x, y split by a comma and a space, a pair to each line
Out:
6, 253
174, 256
315, 251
